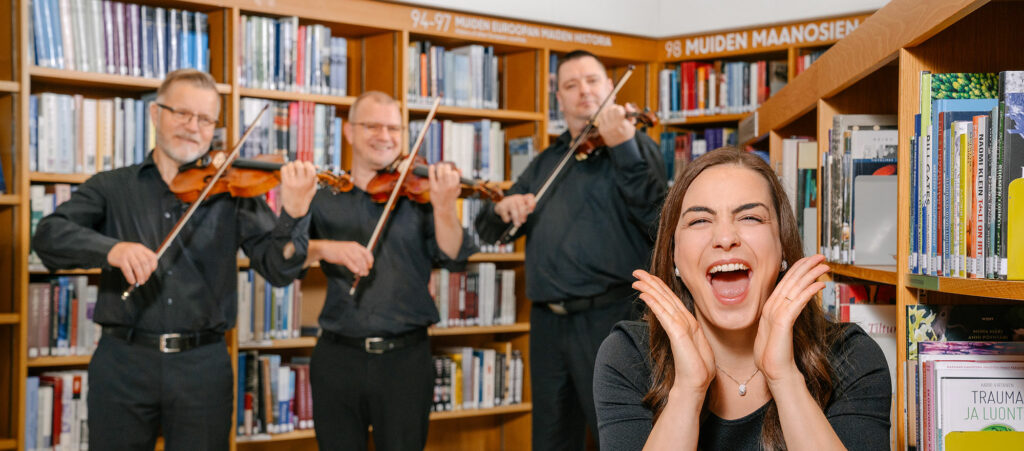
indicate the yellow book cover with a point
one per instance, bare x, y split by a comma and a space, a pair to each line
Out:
1015, 231
984, 440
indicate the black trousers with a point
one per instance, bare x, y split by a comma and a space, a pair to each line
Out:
135, 391
563, 349
353, 389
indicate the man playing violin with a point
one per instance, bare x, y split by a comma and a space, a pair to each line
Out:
595, 225
161, 363
372, 364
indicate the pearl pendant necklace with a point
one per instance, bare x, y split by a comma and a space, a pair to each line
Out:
743, 385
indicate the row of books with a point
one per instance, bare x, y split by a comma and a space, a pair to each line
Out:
799, 177
303, 131
804, 61
469, 209
477, 378
273, 397
266, 312
556, 119
679, 148
477, 148
480, 296
56, 414
464, 76
76, 134
118, 38
60, 317
967, 154
695, 88
43, 199
965, 371
280, 54
858, 178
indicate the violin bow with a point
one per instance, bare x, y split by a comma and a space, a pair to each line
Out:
513, 229
405, 168
202, 196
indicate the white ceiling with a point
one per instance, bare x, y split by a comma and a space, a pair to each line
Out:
658, 18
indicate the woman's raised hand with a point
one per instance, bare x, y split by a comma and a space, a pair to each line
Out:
773, 347
694, 361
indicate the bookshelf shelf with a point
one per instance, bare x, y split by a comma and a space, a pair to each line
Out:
9, 199
97, 80
503, 410
285, 343
70, 360
8, 443
454, 112
67, 272
706, 120
880, 274
9, 318
264, 438
1002, 289
52, 177
498, 257
345, 101
9, 86
479, 330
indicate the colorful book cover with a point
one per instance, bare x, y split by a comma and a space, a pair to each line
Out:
963, 323
979, 396
1011, 99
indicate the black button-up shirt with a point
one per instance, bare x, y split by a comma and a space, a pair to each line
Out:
595, 224
194, 287
395, 297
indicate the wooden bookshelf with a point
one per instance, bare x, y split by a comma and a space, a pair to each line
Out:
280, 343
875, 70
303, 434
9, 199
706, 120
470, 413
8, 443
345, 101
479, 330
877, 274
92, 80
67, 272
9, 318
512, 257
52, 177
9, 86
454, 112
59, 361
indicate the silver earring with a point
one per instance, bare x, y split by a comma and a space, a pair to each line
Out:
677, 272
785, 266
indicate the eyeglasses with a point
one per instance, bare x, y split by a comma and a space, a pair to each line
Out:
185, 117
376, 127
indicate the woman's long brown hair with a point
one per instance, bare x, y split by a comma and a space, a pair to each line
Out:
813, 333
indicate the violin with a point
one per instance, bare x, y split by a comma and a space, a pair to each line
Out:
247, 177
593, 140
416, 186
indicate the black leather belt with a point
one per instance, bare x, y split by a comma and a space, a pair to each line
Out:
612, 296
378, 345
166, 343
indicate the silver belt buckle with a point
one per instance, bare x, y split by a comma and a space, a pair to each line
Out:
164, 338
368, 341
558, 308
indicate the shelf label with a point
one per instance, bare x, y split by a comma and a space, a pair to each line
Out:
768, 38
475, 27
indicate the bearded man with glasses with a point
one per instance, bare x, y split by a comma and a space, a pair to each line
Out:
162, 363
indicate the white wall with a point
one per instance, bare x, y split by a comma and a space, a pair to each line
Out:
658, 18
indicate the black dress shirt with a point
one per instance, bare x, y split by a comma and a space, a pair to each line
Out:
595, 224
395, 297
858, 408
194, 287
